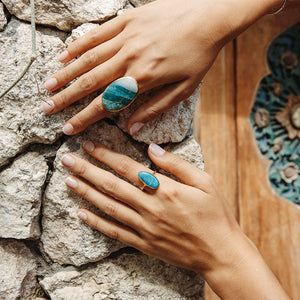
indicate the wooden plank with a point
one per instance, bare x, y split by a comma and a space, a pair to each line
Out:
214, 128
271, 222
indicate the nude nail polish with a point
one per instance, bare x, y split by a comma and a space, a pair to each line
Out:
48, 106
50, 83
68, 129
63, 55
135, 128
68, 160
70, 182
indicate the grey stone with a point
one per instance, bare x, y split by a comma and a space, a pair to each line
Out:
189, 150
80, 31
20, 197
18, 271
170, 127
130, 276
3, 19
127, 6
66, 239
65, 14
138, 3
21, 120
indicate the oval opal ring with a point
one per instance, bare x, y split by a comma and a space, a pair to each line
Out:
120, 94
148, 180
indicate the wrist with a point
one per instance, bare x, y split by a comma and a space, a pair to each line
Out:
241, 273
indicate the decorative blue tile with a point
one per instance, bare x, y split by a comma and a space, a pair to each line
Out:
149, 179
119, 94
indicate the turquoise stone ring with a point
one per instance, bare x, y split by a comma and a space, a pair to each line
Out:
119, 94
148, 180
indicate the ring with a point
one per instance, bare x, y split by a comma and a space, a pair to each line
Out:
148, 180
120, 94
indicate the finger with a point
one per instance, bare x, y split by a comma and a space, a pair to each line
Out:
183, 170
108, 205
83, 64
111, 229
122, 164
89, 115
85, 85
93, 38
105, 181
161, 101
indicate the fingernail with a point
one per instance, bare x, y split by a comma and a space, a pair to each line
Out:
63, 55
68, 129
70, 182
89, 146
67, 160
82, 216
156, 150
135, 128
47, 106
50, 83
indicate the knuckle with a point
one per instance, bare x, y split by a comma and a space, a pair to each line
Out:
152, 113
169, 194
111, 209
84, 192
93, 36
89, 58
60, 100
63, 76
114, 234
109, 185
86, 82
81, 171
123, 167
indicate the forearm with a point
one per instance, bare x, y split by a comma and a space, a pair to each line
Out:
243, 274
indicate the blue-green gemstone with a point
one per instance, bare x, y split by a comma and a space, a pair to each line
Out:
149, 179
119, 94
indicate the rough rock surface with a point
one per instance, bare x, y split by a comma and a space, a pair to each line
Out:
137, 3
130, 276
65, 14
3, 20
18, 271
189, 150
66, 239
20, 196
21, 120
170, 127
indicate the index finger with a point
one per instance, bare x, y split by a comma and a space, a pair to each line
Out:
93, 38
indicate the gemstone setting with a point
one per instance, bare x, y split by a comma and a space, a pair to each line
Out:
149, 180
119, 94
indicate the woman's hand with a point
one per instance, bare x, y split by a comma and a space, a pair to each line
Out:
186, 224
168, 43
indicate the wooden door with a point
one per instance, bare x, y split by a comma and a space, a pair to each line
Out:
231, 153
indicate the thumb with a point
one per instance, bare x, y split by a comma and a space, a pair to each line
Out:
183, 170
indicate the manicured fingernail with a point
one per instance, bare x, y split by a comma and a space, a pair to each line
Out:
70, 182
50, 83
63, 55
89, 146
67, 160
156, 150
68, 129
82, 216
135, 128
47, 106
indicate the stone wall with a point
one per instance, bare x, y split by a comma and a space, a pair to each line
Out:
46, 251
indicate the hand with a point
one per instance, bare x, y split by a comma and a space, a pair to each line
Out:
168, 43
186, 224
